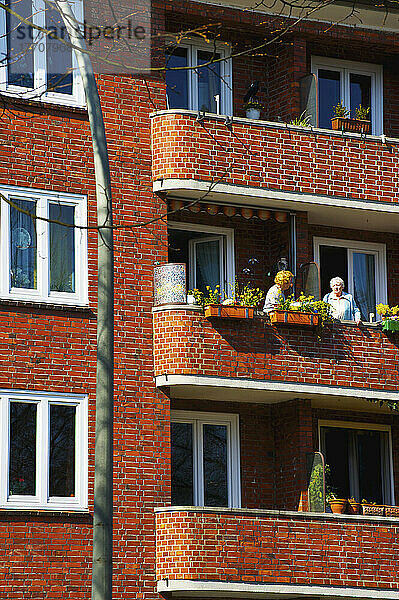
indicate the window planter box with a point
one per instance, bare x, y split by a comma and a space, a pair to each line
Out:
290, 317
223, 311
373, 509
390, 324
392, 511
354, 125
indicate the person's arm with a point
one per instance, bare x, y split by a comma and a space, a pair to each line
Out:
356, 312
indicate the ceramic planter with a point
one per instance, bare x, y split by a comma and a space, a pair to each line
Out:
223, 311
253, 113
353, 508
338, 505
354, 125
291, 317
373, 509
392, 511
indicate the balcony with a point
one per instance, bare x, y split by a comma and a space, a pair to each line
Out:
213, 552
344, 179
255, 361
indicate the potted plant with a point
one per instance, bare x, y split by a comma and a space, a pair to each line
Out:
342, 121
252, 109
305, 311
391, 511
241, 306
371, 508
389, 316
353, 506
303, 120
337, 505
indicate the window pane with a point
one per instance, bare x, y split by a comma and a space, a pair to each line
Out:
19, 44
177, 81
337, 458
23, 245
62, 249
62, 450
22, 469
207, 264
215, 465
360, 90
208, 81
364, 283
370, 473
182, 464
333, 263
329, 95
59, 55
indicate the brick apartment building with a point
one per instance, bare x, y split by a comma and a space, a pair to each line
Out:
239, 405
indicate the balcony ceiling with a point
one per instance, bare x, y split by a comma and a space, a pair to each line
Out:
322, 210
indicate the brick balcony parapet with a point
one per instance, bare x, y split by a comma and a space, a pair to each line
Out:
186, 343
274, 156
280, 547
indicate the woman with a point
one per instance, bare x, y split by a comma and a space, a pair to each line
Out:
343, 305
283, 281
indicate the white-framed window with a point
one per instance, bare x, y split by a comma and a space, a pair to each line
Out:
43, 441
206, 88
359, 456
205, 451
362, 266
43, 261
37, 66
352, 83
208, 253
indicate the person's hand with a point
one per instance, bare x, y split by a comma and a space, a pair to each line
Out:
357, 320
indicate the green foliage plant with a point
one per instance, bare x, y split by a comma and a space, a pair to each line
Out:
253, 104
340, 111
302, 121
362, 113
310, 305
247, 296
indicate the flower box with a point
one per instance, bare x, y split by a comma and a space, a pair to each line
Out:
392, 511
354, 125
291, 317
226, 311
373, 509
390, 324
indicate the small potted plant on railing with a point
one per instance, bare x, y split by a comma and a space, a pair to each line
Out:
241, 305
252, 109
390, 317
337, 505
371, 508
341, 120
304, 311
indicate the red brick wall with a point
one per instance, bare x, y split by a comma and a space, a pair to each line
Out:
293, 550
185, 343
261, 156
53, 349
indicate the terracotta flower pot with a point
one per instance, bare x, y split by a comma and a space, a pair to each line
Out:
291, 317
353, 508
354, 125
338, 505
229, 311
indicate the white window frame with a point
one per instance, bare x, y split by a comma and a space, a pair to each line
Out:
39, 93
226, 74
226, 285
43, 293
345, 68
41, 500
231, 421
386, 470
378, 250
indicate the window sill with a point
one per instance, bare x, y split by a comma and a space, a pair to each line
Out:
41, 106
6, 303
35, 512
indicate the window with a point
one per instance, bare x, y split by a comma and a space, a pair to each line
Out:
40, 260
207, 88
205, 459
359, 458
39, 66
207, 252
353, 84
43, 440
361, 265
